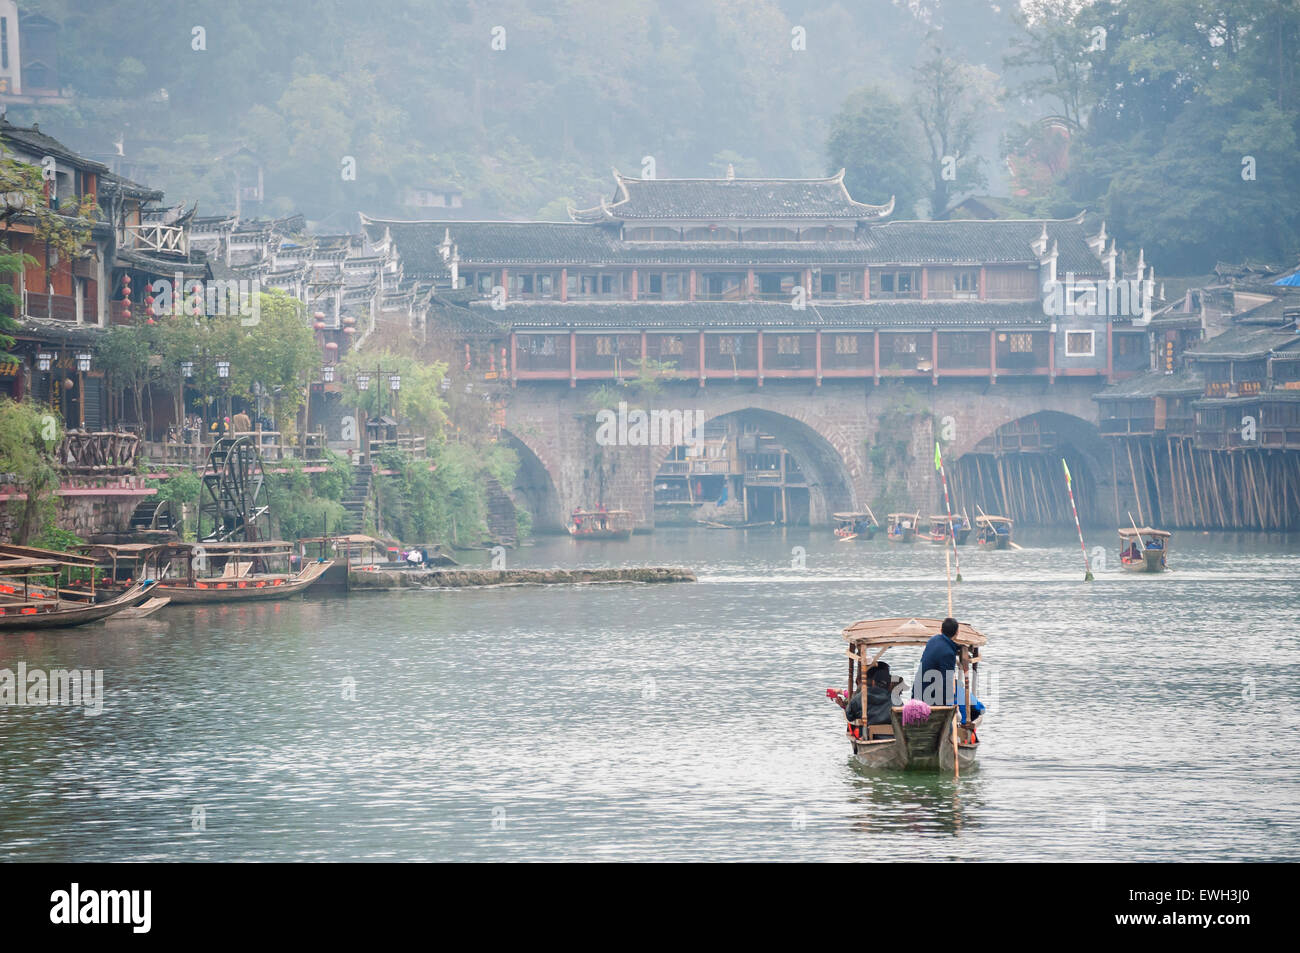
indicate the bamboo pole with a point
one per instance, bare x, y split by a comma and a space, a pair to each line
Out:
1128, 445
1069, 486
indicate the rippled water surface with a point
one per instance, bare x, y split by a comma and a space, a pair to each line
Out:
1139, 717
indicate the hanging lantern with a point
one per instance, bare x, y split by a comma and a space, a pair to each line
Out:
45, 360
331, 346
187, 368
327, 373
83, 361
319, 325
363, 381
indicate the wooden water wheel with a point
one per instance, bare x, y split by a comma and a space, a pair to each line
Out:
232, 500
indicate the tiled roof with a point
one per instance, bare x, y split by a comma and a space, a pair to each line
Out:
1244, 342
762, 314
999, 240
731, 200
1155, 384
30, 139
540, 243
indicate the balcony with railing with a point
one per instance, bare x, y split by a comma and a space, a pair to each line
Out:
56, 307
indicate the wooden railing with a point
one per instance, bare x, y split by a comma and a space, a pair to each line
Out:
103, 453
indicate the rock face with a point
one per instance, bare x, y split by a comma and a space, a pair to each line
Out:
462, 578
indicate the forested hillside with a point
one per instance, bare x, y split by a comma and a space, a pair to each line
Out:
525, 106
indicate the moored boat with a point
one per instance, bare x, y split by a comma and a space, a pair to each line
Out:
933, 741
1143, 549
600, 524
902, 527
993, 532
943, 527
195, 573
851, 526
35, 591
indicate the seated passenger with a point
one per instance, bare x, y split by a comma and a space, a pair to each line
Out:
880, 700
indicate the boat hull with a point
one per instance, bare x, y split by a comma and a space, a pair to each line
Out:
249, 592
998, 542
1151, 561
602, 534
924, 747
80, 615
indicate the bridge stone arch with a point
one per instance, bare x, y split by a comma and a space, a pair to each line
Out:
826, 456
1017, 464
534, 485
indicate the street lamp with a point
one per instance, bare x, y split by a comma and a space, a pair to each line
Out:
187, 368
395, 382
45, 359
327, 373
83, 361
363, 380
223, 369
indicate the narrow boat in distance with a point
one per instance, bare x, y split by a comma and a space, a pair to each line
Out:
1143, 549
601, 524
902, 527
993, 532
936, 741
943, 527
851, 526
36, 591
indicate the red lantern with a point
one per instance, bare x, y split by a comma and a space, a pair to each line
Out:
319, 325
331, 346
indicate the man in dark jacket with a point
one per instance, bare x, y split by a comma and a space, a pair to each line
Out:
936, 678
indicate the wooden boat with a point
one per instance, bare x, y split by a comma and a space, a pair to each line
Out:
993, 532
902, 527
711, 524
942, 525
926, 746
195, 573
34, 591
851, 526
601, 524
1143, 549
143, 610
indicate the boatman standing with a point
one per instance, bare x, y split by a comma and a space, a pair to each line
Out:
936, 678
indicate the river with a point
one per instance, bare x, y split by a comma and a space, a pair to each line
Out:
1133, 718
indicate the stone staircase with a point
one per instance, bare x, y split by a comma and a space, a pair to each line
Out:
503, 528
356, 499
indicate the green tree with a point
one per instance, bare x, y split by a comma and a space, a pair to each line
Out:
951, 100
29, 440
419, 399
875, 140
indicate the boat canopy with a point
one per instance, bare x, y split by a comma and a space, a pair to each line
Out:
883, 633
9, 550
1129, 531
915, 515
601, 513
990, 520
852, 516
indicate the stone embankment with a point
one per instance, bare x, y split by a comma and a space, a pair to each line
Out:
464, 578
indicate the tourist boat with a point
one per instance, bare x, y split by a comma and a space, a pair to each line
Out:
940, 526
993, 532
35, 591
601, 524
194, 573
932, 744
902, 527
1144, 549
851, 526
